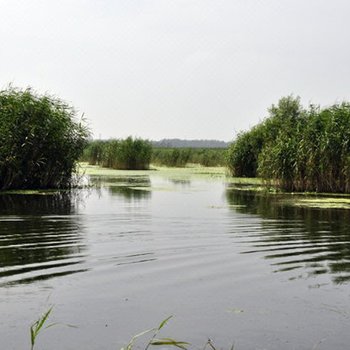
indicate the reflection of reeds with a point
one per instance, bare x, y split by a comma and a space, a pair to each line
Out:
40, 237
129, 187
295, 237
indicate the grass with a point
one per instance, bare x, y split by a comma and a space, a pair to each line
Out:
181, 157
128, 154
152, 335
297, 149
40, 141
38, 326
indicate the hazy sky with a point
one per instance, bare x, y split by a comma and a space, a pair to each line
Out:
177, 68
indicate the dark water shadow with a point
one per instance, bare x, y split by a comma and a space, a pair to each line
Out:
40, 237
136, 187
307, 241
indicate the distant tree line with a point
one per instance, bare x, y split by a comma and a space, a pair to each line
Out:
299, 149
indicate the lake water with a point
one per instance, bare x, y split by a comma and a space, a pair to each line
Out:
118, 258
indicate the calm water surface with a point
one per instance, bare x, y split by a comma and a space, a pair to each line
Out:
114, 260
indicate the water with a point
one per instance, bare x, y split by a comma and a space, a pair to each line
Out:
117, 259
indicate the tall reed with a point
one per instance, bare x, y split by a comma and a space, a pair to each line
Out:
299, 149
133, 154
180, 157
40, 140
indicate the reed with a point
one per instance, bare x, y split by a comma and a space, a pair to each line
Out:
180, 157
152, 334
297, 149
127, 154
40, 141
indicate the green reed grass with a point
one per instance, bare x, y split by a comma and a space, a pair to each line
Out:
297, 149
40, 140
38, 326
180, 157
153, 335
127, 154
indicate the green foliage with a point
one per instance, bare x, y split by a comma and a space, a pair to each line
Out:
300, 150
242, 156
154, 341
180, 157
131, 154
38, 325
40, 141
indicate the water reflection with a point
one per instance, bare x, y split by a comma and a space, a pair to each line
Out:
306, 241
135, 187
40, 237
185, 183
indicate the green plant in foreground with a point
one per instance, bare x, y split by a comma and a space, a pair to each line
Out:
38, 325
154, 340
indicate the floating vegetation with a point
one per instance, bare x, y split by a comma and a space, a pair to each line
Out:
325, 203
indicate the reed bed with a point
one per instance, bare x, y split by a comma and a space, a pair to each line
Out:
40, 141
297, 149
180, 157
128, 154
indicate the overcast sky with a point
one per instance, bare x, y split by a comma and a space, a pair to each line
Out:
193, 69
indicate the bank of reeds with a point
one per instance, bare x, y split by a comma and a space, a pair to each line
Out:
40, 141
127, 154
180, 157
297, 149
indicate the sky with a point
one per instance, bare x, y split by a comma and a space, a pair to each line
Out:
191, 69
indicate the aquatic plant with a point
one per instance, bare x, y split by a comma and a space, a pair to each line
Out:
297, 149
180, 157
153, 333
243, 154
154, 341
38, 326
127, 154
40, 140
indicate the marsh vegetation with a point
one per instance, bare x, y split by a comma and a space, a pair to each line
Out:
299, 149
128, 154
180, 157
138, 154
40, 140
